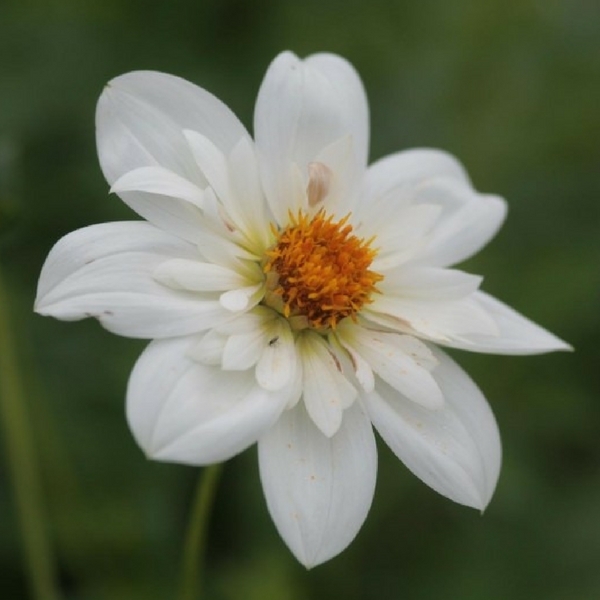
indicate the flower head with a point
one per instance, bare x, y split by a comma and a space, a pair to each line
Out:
295, 297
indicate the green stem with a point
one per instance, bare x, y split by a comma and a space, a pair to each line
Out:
20, 454
197, 533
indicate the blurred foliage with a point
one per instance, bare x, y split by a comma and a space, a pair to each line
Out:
512, 87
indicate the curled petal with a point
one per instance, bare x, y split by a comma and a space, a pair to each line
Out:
318, 489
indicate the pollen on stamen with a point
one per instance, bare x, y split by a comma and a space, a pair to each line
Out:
319, 270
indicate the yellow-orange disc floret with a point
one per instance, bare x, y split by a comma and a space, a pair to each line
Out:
319, 270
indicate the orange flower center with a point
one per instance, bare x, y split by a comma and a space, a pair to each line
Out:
318, 271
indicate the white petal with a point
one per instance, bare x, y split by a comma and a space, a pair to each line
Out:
106, 271
165, 199
440, 320
326, 390
86, 245
277, 364
248, 192
408, 169
215, 167
178, 217
467, 224
318, 489
234, 180
242, 351
242, 298
362, 369
517, 334
218, 243
193, 275
209, 348
302, 107
182, 411
468, 221
140, 120
295, 387
344, 181
260, 317
157, 180
429, 283
455, 450
402, 361
399, 231
343, 77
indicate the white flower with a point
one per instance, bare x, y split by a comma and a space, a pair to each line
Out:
294, 295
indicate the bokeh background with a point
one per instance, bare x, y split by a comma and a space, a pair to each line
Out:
511, 87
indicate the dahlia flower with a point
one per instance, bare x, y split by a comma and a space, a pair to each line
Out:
294, 296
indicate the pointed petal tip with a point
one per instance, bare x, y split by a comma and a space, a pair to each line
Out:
480, 502
562, 346
546, 344
40, 309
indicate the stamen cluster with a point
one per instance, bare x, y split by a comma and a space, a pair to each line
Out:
319, 270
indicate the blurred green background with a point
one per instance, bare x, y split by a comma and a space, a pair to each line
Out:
511, 87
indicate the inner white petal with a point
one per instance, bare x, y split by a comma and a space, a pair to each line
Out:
402, 361
158, 180
277, 364
339, 175
429, 283
440, 321
242, 298
258, 318
400, 232
209, 349
215, 167
249, 197
326, 390
242, 351
212, 163
184, 274
362, 370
